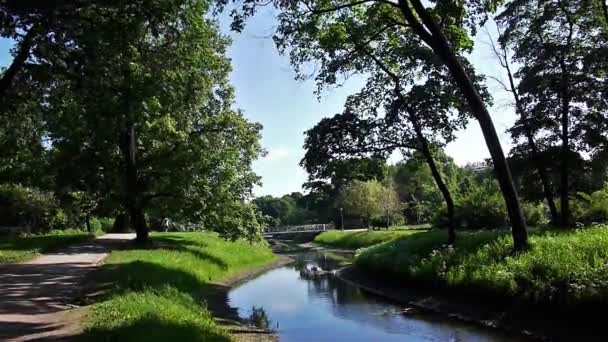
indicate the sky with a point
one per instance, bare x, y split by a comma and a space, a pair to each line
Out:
268, 93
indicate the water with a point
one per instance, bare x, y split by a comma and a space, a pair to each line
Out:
326, 309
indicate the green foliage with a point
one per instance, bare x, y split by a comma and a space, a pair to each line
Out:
562, 267
143, 81
588, 208
160, 290
291, 209
535, 213
106, 224
29, 207
355, 240
417, 189
369, 201
19, 249
480, 207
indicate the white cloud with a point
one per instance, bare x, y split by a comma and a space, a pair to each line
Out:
277, 153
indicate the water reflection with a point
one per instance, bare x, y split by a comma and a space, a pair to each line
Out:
259, 318
323, 308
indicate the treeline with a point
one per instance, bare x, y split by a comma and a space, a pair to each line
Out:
406, 193
122, 109
421, 88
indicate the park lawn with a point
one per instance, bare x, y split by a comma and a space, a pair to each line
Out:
160, 292
359, 239
568, 268
19, 249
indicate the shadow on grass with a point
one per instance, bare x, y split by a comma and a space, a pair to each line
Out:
43, 243
138, 276
179, 244
151, 328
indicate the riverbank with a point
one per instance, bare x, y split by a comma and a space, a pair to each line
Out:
557, 288
359, 239
174, 288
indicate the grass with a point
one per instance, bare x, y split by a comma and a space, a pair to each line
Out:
19, 249
567, 268
355, 240
161, 291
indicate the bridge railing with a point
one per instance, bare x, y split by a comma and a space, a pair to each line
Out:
301, 228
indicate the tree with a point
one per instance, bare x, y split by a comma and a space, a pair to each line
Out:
146, 101
310, 30
417, 188
414, 107
364, 200
556, 74
524, 126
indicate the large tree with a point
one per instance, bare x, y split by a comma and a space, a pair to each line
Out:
524, 127
145, 101
553, 41
440, 29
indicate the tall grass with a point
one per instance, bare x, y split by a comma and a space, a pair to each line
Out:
562, 267
161, 291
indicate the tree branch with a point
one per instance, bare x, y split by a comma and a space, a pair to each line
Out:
348, 5
418, 28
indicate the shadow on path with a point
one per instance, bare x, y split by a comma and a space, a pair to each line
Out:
35, 295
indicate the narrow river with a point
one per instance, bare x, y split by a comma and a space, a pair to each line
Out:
323, 308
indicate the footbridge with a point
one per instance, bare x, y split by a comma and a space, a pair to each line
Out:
297, 231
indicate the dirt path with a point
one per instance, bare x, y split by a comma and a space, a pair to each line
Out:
35, 295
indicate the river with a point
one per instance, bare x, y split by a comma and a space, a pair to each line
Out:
323, 308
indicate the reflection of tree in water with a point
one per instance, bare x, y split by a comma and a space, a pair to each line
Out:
259, 318
346, 301
325, 260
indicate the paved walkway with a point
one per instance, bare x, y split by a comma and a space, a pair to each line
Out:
35, 295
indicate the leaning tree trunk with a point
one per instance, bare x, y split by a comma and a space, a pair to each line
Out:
133, 205
21, 57
445, 192
430, 32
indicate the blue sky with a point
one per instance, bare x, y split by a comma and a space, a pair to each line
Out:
267, 92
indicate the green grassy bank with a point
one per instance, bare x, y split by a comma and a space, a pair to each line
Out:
566, 268
355, 240
19, 249
161, 291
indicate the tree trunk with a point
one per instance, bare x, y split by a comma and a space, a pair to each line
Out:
565, 153
87, 219
544, 179
431, 33
138, 220
23, 53
133, 204
445, 192
546, 183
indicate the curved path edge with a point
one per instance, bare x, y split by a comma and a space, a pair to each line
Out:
36, 296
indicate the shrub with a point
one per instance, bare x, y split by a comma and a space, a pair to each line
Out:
591, 207
534, 213
29, 207
482, 207
106, 224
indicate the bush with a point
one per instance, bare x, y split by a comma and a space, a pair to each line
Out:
482, 207
106, 224
534, 213
592, 207
29, 207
